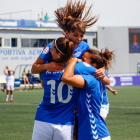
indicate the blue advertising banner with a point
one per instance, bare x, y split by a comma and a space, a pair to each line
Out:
28, 23
125, 81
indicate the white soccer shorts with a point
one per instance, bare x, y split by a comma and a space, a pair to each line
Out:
104, 110
106, 138
10, 87
49, 131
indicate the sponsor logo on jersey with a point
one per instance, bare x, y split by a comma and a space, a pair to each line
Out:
46, 50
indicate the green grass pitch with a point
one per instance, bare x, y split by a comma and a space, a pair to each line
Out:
123, 120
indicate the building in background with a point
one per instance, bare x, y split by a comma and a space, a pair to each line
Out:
119, 39
22, 41
125, 71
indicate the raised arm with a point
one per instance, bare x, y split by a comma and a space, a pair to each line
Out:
39, 66
69, 78
5, 69
12, 71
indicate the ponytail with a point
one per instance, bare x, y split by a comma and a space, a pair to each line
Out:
102, 59
107, 57
66, 48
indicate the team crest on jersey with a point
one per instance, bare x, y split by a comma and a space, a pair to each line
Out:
46, 50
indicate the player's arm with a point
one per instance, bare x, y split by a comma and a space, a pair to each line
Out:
100, 74
69, 78
12, 71
5, 69
112, 90
105, 81
39, 66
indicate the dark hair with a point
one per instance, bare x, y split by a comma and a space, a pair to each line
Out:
71, 18
102, 59
66, 47
9, 71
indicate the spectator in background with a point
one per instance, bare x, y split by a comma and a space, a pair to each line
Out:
135, 46
46, 17
9, 84
30, 78
25, 78
4, 88
29, 74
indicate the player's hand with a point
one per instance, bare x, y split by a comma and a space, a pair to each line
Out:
114, 92
99, 74
53, 67
6, 67
74, 60
79, 60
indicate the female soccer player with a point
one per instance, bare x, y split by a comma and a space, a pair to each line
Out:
91, 125
9, 84
105, 104
54, 119
73, 24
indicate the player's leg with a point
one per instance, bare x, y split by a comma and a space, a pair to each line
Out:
42, 131
11, 93
24, 81
63, 132
7, 92
27, 81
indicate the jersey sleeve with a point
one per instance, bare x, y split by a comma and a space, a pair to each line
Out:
91, 80
46, 54
81, 49
86, 47
84, 68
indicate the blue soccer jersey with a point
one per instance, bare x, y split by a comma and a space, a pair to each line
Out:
78, 52
58, 105
105, 98
91, 125
135, 48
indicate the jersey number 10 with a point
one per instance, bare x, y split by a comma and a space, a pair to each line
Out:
59, 92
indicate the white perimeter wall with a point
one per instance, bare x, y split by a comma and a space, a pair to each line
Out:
117, 38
